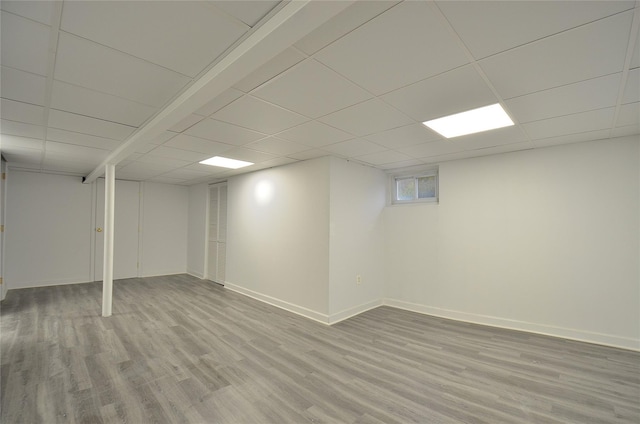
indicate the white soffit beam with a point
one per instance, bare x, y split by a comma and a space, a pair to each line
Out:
295, 20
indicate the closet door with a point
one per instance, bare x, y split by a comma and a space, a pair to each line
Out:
217, 233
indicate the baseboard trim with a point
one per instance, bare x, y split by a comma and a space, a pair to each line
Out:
290, 307
547, 330
351, 312
195, 274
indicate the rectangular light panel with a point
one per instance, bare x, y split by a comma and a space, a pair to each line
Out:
225, 162
470, 122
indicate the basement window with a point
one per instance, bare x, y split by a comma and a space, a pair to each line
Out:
422, 187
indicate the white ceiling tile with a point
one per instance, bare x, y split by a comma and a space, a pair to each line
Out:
353, 148
21, 129
219, 102
258, 115
186, 123
145, 148
90, 65
315, 134
527, 145
387, 156
212, 129
582, 96
368, 117
582, 53
309, 154
185, 36
75, 152
22, 86
14, 163
205, 169
25, 44
11, 143
311, 89
635, 59
572, 138
54, 134
393, 50
451, 92
21, 112
432, 148
629, 115
409, 135
272, 163
241, 153
570, 124
195, 144
275, 66
352, 17
186, 155
483, 140
162, 161
632, 86
277, 146
23, 155
625, 131
248, 11
59, 164
40, 11
163, 179
142, 171
80, 100
86, 125
160, 138
401, 164
186, 174
489, 27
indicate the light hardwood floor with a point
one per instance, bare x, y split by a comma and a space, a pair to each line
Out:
181, 350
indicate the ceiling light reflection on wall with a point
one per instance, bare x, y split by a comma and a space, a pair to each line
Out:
472, 121
225, 162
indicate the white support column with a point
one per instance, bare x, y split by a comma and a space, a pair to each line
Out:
109, 212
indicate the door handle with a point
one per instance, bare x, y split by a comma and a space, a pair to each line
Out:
99, 229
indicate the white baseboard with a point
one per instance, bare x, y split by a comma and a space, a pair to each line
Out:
160, 274
547, 330
351, 312
195, 274
299, 310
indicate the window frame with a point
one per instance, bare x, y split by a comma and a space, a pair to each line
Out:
394, 178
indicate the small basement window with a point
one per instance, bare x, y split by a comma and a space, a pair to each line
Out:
421, 187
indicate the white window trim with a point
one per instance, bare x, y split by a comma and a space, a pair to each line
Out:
432, 172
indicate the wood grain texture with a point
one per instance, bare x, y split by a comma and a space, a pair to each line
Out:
181, 350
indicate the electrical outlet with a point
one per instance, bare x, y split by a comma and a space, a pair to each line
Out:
358, 279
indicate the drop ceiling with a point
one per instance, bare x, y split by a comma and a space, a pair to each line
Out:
83, 83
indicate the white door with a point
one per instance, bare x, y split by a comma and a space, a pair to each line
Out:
125, 237
217, 233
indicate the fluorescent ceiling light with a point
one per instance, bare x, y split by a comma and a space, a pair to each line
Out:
225, 162
470, 122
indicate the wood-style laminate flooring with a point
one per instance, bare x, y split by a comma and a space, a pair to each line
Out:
181, 350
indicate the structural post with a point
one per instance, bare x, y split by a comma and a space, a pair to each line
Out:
109, 212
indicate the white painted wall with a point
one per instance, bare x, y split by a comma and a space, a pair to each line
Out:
164, 229
357, 201
197, 230
278, 236
545, 240
48, 230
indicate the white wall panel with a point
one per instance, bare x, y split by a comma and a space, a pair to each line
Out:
357, 201
48, 230
164, 229
543, 240
278, 237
